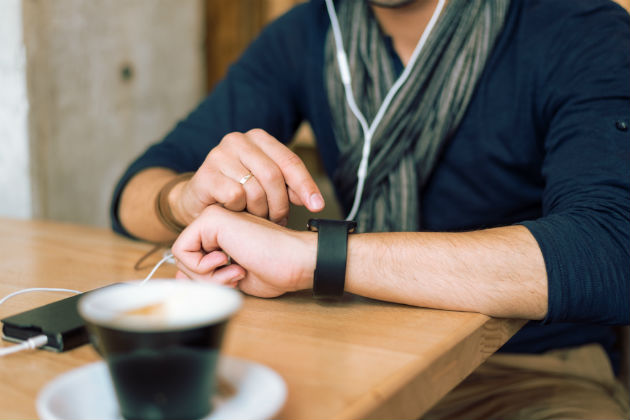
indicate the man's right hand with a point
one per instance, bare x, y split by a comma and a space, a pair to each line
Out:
279, 177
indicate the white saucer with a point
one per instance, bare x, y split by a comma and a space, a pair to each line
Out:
87, 393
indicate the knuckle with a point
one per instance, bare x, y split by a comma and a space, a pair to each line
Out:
215, 155
234, 137
256, 133
233, 195
270, 174
291, 160
212, 154
256, 195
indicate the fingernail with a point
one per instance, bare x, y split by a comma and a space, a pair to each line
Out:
283, 222
317, 201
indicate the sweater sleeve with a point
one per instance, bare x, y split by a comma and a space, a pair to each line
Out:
259, 91
584, 233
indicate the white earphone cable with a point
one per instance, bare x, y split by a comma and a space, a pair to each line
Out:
37, 289
346, 79
168, 256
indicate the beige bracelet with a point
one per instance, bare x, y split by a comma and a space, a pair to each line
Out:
162, 207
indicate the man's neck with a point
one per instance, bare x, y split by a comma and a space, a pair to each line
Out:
405, 24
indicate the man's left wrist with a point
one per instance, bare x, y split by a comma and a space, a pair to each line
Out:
309, 260
332, 246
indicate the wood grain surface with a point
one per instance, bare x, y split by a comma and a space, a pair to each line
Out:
353, 359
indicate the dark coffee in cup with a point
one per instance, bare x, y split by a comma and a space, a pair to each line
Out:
161, 342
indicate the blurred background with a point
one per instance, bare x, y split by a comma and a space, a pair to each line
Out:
86, 85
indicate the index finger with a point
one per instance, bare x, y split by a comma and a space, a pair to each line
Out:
293, 170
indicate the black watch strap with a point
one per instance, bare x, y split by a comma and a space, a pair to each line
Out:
332, 248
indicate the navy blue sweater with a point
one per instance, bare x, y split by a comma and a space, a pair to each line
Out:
544, 143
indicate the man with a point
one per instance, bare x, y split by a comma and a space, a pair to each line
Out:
497, 181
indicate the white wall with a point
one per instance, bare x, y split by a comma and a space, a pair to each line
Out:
103, 80
15, 185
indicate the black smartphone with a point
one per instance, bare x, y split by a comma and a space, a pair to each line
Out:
59, 321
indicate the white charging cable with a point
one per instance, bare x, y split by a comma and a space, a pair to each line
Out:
39, 340
30, 344
346, 79
42, 340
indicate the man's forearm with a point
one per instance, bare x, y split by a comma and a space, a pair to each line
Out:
498, 272
137, 205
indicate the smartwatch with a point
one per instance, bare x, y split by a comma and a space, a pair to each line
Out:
332, 249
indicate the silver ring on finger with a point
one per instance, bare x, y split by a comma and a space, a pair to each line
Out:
245, 178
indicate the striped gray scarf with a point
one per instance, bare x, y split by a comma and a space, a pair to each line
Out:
422, 116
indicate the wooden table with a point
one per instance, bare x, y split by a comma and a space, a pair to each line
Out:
354, 359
